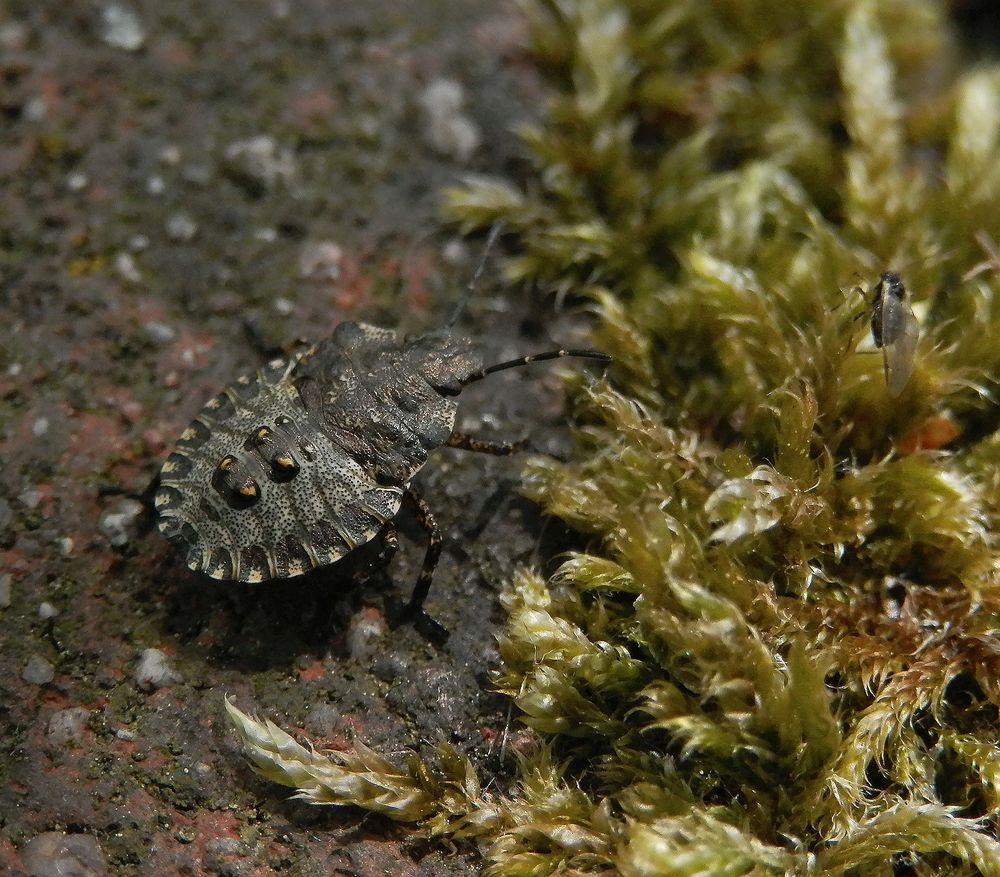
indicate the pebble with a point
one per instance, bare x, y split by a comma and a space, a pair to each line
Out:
46, 611
30, 498
260, 163
13, 35
67, 726
455, 253
35, 109
38, 671
77, 181
226, 856
197, 173
323, 719
153, 671
56, 854
170, 154
159, 331
126, 268
390, 667
320, 260
120, 523
449, 130
181, 227
223, 846
366, 629
40, 427
121, 28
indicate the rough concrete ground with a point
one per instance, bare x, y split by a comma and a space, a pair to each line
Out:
183, 184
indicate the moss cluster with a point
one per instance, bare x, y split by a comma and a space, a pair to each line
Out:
782, 655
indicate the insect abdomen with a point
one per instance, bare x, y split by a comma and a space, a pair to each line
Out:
255, 490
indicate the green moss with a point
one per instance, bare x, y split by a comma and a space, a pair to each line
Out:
781, 654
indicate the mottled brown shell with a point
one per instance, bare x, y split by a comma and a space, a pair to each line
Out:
291, 469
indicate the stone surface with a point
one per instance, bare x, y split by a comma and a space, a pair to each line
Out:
120, 322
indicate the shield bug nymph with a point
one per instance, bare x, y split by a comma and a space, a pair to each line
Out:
294, 467
895, 330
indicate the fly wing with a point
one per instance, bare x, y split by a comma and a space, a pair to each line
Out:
899, 349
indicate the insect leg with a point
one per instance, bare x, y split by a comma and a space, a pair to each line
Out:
390, 544
485, 446
146, 496
434, 541
432, 628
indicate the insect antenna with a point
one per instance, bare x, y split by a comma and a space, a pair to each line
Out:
536, 357
470, 287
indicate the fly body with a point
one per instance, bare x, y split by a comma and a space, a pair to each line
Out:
895, 330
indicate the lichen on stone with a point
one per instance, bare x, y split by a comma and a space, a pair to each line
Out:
780, 653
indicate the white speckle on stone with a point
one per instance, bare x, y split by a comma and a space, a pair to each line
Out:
6, 580
455, 253
40, 427
30, 498
55, 854
365, 629
126, 268
442, 96
66, 546
126, 734
320, 260
121, 28
46, 610
77, 181
120, 523
268, 234
35, 109
14, 369
38, 671
158, 331
13, 35
449, 130
197, 173
67, 726
170, 154
283, 307
153, 671
155, 185
181, 227
260, 161
138, 242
